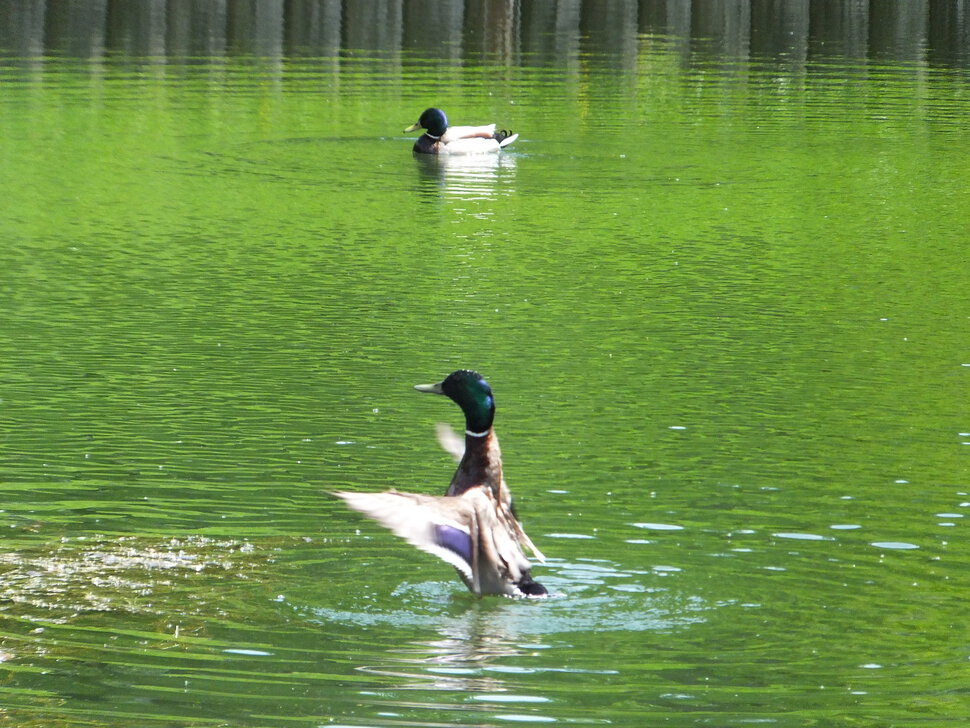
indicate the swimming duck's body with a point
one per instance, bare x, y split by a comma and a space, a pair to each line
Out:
472, 526
439, 138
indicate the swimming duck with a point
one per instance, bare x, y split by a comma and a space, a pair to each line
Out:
439, 138
473, 526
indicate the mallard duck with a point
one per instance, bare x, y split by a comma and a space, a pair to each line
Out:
439, 138
473, 526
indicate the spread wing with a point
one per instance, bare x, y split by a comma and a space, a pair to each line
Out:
450, 441
439, 527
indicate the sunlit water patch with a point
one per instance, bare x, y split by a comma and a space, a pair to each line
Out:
125, 574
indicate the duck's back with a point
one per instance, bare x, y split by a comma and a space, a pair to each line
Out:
468, 132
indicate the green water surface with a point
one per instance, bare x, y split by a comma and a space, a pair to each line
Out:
725, 308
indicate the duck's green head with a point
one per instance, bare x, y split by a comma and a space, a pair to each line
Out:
470, 392
433, 121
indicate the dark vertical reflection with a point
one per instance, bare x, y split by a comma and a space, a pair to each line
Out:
840, 28
138, 29
197, 29
722, 27
492, 30
22, 28
949, 32
373, 26
897, 29
550, 33
670, 19
665, 17
434, 28
313, 27
501, 32
256, 27
609, 29
780, 28
76, 29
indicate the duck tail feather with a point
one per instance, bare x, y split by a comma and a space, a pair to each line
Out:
505, 137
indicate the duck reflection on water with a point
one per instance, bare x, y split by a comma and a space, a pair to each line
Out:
468, 177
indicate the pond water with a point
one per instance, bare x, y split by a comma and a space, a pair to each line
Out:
721, 295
